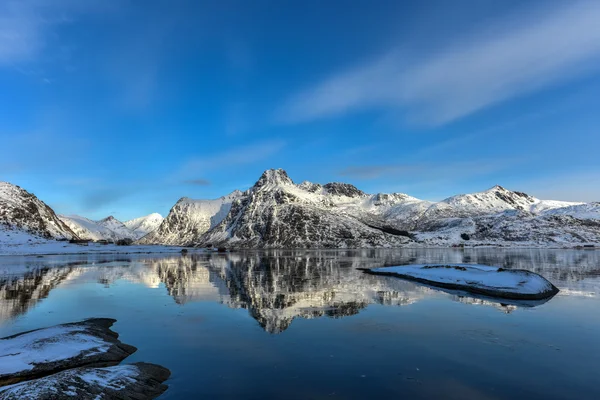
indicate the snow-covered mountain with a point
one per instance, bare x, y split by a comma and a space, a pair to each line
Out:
275, 212
144, 225
278, 213
111, 228
188, 219
21, 211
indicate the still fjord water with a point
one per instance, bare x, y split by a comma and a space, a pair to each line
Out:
308, 325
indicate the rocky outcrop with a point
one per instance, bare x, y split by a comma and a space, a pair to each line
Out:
42, 352
121, 382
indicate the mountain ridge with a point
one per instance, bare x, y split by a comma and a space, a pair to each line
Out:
278, 213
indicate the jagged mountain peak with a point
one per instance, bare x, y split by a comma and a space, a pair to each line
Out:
273, 177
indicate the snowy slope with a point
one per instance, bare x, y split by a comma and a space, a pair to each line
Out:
188, 219
492, 201
22, 211
118, 229
580, 211
144, 225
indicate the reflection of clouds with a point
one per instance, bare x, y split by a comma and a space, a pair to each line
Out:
278, 286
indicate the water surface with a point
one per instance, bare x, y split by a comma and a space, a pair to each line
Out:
308, 325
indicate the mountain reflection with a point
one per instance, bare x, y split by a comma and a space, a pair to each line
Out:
278, 286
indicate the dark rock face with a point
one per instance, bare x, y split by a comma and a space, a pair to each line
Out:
122, 382
105, 350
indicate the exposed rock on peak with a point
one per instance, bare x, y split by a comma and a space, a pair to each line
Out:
273, 177
343, 189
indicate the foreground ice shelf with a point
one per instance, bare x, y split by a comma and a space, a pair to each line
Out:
475, 278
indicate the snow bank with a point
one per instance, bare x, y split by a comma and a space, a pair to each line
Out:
481, 279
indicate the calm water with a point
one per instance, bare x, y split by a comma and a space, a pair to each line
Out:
308, 325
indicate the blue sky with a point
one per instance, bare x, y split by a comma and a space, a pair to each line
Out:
122, 107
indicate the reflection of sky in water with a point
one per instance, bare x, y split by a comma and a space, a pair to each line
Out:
206, 319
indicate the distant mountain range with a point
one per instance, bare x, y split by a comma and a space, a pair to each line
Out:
23, 212
278, 213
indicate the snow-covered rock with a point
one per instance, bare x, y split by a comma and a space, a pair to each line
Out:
144, 225
134, 381
45, 351
188, 219
22, 211
479, 279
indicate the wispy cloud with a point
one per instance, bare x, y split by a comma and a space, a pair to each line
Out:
520, 55
27, 25
198, 182
231, 158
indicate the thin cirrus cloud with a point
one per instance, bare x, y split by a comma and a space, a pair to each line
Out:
528, 53
26, 25
197, 182
420, 171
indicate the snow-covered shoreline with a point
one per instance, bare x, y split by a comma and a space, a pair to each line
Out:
475, 278
65, 248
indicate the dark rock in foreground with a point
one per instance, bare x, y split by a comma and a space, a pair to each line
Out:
123, 382
42, 352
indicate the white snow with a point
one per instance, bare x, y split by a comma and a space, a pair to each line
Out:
476, 276
46, 345
113, 377
116, 378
